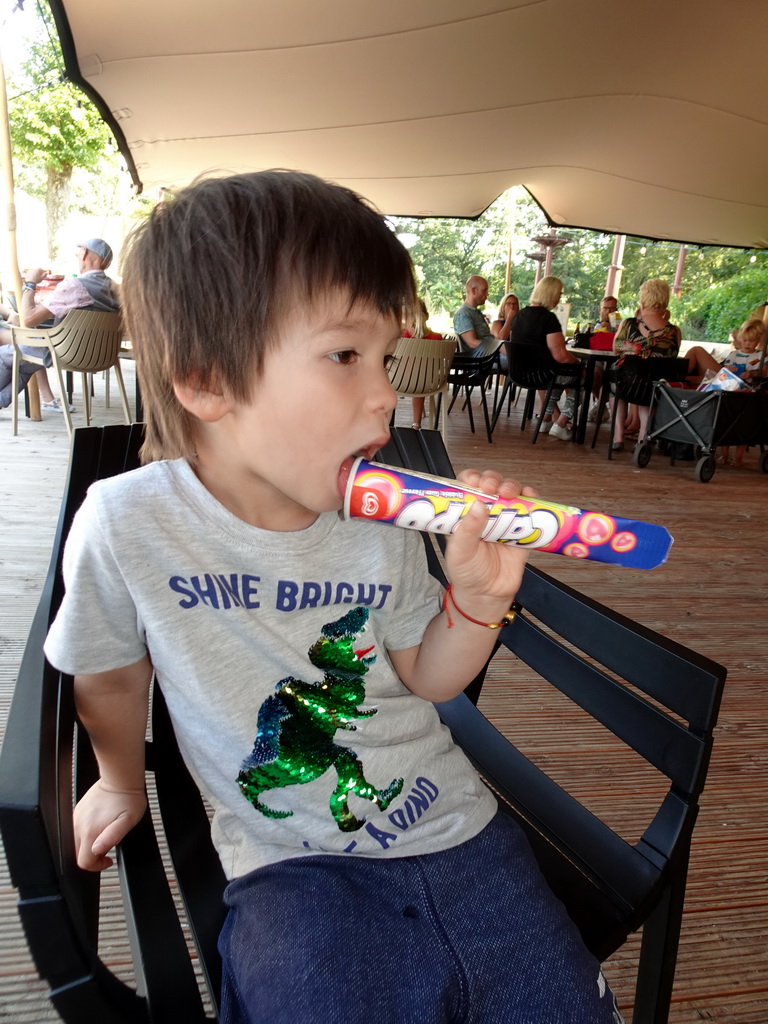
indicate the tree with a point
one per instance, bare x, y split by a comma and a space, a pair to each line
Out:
446, 251
54, 128
711, 311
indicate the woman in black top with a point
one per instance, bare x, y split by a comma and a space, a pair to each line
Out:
538, 325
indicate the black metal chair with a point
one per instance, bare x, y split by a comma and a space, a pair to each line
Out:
654, 696
531, 368
632, 379
467, 373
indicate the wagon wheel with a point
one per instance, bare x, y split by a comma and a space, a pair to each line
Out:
641, 456
705, 469
764, 462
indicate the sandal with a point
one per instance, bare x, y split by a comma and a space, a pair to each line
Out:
416, 426
617, 446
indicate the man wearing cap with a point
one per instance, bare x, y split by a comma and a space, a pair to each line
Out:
91, 289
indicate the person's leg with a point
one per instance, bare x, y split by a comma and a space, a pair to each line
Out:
563, 423
6, 373
471, 933
567, 415
335, 940
632, 421
552, 410
642, 412
738, 456
46, 395
621, 415
26, 370
597, 387
417, 406
522, 957
699, 361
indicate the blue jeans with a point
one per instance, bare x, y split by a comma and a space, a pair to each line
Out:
26, 370
470, 935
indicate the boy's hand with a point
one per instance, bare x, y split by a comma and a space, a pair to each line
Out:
485, 573
101, 819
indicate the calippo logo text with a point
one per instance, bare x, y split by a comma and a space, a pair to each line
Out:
517, 523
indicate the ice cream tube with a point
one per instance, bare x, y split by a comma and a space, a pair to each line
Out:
418, 501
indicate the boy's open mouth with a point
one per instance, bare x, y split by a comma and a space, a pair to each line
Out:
346, 467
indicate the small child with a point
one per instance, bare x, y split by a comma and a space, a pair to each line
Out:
746, 360
371, 873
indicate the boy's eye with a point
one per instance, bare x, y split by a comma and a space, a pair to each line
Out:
345, 357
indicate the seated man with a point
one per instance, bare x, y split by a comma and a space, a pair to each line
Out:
607, 318
473, 330
91, 289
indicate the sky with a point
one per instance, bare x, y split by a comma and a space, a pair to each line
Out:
15, 28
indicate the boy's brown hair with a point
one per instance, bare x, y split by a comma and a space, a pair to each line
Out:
214, 271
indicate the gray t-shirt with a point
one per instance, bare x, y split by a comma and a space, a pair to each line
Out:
468, 318
271, 651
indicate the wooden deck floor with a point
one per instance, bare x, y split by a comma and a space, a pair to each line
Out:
710, 596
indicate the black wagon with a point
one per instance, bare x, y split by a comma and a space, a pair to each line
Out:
706, 420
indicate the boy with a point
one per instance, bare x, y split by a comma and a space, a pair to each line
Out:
298, 653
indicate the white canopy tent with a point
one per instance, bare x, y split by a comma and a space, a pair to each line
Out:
642, 119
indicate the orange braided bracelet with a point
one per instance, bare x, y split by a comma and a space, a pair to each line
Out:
509, 617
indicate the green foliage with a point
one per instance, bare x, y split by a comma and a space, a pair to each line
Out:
57, 128
710, 313
53, 124
55, 131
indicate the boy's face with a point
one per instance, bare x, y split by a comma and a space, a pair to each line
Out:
322, 397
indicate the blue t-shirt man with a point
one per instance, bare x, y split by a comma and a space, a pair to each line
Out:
471, 327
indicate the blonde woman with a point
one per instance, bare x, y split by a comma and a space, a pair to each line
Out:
538, 325
649, 333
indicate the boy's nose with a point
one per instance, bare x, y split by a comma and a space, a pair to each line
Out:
384, 395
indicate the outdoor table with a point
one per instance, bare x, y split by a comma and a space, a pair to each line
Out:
590, 356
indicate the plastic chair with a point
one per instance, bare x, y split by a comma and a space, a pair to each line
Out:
632, 380
530, 367
420, 370
655, 696
85, 342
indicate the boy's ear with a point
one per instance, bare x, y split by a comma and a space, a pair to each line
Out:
207, 403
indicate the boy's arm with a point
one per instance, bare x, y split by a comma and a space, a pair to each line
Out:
485, 578
113, 708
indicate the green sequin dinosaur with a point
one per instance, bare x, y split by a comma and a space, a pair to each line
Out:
295, 728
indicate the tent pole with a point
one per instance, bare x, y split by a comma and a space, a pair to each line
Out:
677, 287
11, 255
613, 282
